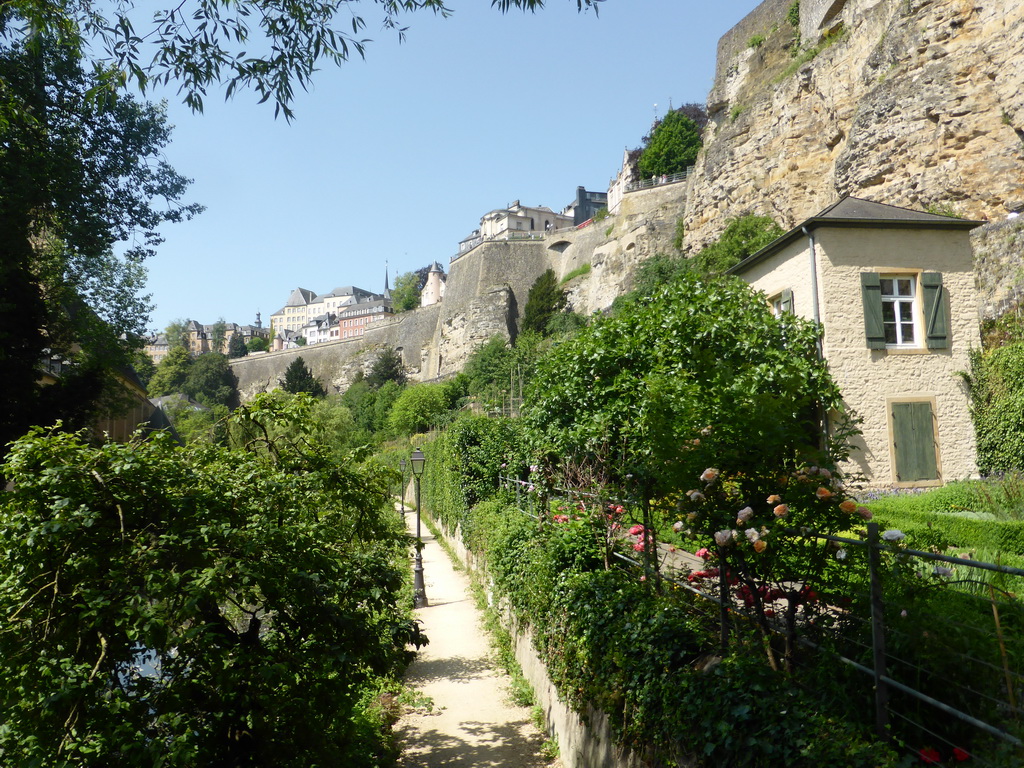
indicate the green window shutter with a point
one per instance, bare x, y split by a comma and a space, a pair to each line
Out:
871, 293
913, 438
787, 301
936, 313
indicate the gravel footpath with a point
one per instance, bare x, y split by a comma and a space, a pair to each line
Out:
472, 724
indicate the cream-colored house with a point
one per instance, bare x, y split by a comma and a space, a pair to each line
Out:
894, 290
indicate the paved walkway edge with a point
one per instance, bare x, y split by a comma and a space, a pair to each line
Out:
580, 745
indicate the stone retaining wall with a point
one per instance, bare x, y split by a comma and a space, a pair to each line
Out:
581, 744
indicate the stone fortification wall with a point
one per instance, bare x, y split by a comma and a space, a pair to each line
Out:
335, 363
412, 333
917, 103
999, 265
733, 44
486, 292
644, 225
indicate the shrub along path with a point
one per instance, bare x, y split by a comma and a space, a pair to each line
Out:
472, 724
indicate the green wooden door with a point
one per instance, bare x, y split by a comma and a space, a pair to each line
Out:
914, 442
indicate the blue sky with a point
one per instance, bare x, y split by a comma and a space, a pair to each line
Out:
395, 158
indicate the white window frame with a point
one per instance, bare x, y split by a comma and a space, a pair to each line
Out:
905, 310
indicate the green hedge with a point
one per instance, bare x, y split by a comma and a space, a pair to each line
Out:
925, 527
610, 642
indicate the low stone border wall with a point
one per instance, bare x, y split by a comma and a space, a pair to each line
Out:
581, 745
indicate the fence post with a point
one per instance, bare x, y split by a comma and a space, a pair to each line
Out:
723, 597
877, 633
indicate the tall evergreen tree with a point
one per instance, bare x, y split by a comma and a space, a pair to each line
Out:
236, 347
387, 367
545, 300
298, 378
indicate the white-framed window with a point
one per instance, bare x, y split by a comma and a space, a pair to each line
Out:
899, 309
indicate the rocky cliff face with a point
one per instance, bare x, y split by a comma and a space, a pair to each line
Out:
910, 102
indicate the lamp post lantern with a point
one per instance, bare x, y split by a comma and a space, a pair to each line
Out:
401, 468
419, 591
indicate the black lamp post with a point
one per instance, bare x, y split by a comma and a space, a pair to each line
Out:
401, 468
419, 591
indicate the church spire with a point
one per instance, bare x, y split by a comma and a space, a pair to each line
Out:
387, 290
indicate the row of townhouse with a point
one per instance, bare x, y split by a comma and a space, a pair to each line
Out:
201, 338
340, 314
345, 312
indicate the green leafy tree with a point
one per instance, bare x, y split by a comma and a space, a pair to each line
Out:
298, 378
672, 147
143, 366
741, 238
487, 368
384, 399
239, 45
631, 391
566, 323
172, 372
301, 341
237, 346
203, 607
699, 399
258, 344
218, 335
417, 408
406, 293
387, 366
545, 300
211, 381
77, 175
360, 399
177, 334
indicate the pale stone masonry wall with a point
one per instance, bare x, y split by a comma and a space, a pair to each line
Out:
871, 378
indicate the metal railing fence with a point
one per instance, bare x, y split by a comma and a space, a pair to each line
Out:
940, 672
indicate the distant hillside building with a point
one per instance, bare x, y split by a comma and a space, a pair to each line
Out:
521, 221
294, 314
200, 338
433, 287
586, 205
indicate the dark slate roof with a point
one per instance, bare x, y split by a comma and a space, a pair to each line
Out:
300, 297
857, 212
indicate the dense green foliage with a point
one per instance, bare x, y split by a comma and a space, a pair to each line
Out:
465, 462
697, 361
417, 409
239, 45
77, 175
996, 382
545, 300
196, 607
257, 344
207, 379
657, 271
298, 378
673, 146
741, 238
406, 293
237, 346
387, 366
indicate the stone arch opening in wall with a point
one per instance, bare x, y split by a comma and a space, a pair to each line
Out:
560, 246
